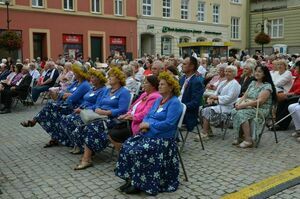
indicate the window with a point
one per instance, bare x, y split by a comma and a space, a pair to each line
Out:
37, 3
147, 7
166, 8
184, 40
2, 1
184, 9
216, 13
119, 7
201, 39
235, 28
235, 1
201, 10
166, 46
96, 6
276, 30
68, 4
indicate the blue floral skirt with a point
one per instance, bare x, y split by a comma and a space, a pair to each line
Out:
150, 163
49, 119
93, 135
68, 124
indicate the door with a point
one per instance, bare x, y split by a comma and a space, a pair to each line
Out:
39, 45
96, 48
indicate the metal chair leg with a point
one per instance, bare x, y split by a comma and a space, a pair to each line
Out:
226, 126
184, 141
274, 130
182, 165
202, 145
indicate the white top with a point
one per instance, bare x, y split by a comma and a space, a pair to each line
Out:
228, 93
202, 70
282, 82
139, 76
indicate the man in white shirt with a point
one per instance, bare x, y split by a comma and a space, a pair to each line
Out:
35, 74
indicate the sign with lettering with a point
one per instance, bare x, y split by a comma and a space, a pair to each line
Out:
169, 29
118, 41
73, 39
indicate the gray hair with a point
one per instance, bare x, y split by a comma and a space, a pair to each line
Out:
251, 63
158, 63
233, 68
134, 64
128, 70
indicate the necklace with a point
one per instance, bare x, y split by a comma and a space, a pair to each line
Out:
114, 91
163, 101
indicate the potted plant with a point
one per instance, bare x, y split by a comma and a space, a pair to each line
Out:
262, 38
10, 40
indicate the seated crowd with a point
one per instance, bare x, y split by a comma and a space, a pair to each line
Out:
95, 104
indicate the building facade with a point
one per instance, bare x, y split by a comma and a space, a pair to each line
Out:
280, 19
210, 27
92, 28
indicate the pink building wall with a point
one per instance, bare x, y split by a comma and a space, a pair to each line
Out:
66, 23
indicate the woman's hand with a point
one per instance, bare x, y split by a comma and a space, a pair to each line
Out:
78, 110
239, 106
121, 117
128, 117
102, 112
144, 126
66, 95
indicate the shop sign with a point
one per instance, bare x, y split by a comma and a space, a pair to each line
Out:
169, 29
73, 39
212, 33
118, 41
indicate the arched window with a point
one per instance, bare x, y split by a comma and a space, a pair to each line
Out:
184, 39
200, 39
216, 40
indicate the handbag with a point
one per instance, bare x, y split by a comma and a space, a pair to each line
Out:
88, 115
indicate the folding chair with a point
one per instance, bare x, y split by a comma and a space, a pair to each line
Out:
179, 126
45, 96
272, 118
225, 119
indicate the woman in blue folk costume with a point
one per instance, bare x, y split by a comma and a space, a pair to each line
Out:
70, 122
148, 161
49, 117
115, 102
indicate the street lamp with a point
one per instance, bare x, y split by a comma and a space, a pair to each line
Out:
7, 2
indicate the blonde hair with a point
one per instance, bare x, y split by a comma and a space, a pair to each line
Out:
171, 81
115, 71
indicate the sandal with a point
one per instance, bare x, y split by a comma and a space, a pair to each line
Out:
51, 143
29, 123
83, 165
245, 144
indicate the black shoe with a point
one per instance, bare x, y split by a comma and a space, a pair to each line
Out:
132, 190
126, 185
5, 111
3, 108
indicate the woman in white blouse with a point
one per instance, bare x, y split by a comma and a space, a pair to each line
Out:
224, 97
282, 78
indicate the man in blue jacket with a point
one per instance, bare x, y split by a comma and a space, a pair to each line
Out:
192, 90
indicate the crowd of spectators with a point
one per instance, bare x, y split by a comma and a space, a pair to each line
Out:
141, 121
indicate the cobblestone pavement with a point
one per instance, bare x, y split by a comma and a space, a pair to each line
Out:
27, 170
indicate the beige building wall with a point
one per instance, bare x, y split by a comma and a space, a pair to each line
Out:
152, 25
288, 11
